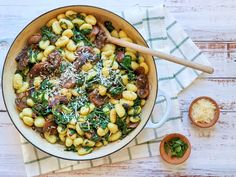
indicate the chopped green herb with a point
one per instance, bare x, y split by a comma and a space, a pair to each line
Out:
175, 147
87, 148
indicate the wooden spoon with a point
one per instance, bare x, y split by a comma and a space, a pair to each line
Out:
149, 51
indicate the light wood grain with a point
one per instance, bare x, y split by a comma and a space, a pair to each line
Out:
212, 24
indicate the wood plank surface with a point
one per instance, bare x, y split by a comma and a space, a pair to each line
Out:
212, 24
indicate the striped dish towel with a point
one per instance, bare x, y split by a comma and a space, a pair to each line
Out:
162, 32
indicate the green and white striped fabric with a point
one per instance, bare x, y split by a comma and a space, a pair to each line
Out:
162, 32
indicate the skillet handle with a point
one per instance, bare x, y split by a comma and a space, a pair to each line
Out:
151, 124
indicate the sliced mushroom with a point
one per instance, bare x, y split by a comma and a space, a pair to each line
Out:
119, 56
79, 63
38, 129
22, 60
141, 81
84, 54
35, 38
133, 125
20, 100
100, 39
55, 59
39, 69
97, 99
143, 93
46, 67
140, 70
58, 99
50, 126
94, 31
69, 84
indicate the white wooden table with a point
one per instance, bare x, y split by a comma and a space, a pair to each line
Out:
212, 25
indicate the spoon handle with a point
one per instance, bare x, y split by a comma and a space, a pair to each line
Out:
161, 55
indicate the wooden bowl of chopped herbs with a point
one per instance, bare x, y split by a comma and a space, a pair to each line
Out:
175, 148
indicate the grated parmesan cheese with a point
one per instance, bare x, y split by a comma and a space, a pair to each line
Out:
203, 111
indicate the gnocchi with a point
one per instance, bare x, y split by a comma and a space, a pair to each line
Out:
17, 81
56, 27
66, 24
43, 44
62, 41
68, 33
90, 19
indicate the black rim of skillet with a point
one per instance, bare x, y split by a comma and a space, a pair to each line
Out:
4, 70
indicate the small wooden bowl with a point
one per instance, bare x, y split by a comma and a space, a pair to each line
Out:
216, 116
174, 160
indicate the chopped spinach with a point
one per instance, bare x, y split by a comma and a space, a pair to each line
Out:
109, 26
80, 16
41, 109
116, 90
86, 31
46, 84
87, 148
106, 137
126, 62
71, 148
85, 126
80, 79
95, 137
32, 54
123, 127
175, 147
131, 76
98, 118
137, 102
79, 36
49, 35
37, 96
60, 116
77, 102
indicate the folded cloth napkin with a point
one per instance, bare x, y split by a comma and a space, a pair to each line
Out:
163, 33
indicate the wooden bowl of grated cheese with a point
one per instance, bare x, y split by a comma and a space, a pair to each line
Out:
204, 112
